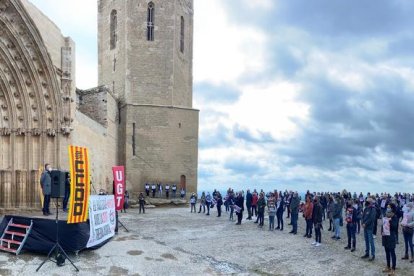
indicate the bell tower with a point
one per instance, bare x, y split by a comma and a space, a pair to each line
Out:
145, 58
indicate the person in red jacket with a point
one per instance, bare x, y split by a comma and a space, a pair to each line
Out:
308, 217
255, 198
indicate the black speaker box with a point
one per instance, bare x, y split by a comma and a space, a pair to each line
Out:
58, 184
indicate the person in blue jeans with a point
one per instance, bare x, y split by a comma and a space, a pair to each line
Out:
351, 218
368, 218
337, 215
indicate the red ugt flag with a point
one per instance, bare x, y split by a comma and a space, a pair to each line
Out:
119, 186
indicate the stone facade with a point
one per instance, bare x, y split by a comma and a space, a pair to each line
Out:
158, 128
140, 116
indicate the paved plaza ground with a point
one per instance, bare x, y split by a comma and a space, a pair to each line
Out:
173, 241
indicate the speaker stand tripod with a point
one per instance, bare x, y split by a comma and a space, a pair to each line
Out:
57, 247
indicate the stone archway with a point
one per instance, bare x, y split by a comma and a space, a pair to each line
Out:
183, 182
30, 107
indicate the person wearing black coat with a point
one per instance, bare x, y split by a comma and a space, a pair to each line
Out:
368, 218
219, 201
240, 203
389, 237
280, 205
317, 214
249, 199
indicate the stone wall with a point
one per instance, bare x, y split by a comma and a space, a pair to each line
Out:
93, 103
166, 146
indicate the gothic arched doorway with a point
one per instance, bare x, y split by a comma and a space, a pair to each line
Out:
183, 182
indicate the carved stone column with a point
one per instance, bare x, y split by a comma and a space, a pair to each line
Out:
6, 195
20, 190
35, 193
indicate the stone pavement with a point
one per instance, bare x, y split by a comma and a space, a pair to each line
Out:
173, 241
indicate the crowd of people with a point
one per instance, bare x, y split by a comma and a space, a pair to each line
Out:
159, 190
380, 213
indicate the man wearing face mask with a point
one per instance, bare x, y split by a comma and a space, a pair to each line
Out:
368, 218
46, 184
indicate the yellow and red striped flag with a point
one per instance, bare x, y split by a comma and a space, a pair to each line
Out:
79, 184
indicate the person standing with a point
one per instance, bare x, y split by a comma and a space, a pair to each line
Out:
255, 198
202, 202
147, 189
208, 203
308, 217
330, 210
368, 217
167, 190
160, 190
182, 193
351, 218
389, 230
153, 187
249, 199
294, 212
141, 201
271, 209
231, 205
174, 190
261, 204
288, 200
358, 208
324, 203
337, 216
407, 225
240, 203
67, 192
46, 184
280, 208
219, 202
317, 221
193, 201
126, 201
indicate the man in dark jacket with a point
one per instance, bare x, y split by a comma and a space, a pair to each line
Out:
280, 208
46, 184
219, 202
368, 218
240, 203
294, 212
249, 198
317, 220
141, 200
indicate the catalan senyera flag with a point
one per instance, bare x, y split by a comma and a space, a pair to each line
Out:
79, 184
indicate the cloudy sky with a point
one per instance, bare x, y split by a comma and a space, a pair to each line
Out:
294, 94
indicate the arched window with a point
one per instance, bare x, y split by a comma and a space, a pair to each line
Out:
182, 35
150, 22
113, 29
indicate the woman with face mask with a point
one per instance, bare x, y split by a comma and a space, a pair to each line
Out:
389, 232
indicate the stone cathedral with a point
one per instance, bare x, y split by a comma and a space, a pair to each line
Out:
140, 115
